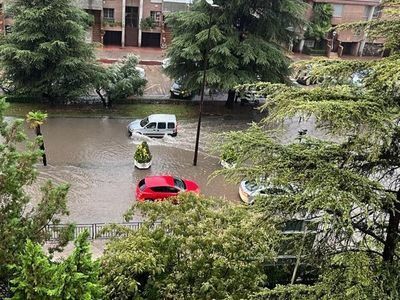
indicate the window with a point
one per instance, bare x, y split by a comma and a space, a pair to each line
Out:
108, 14
132, 16
144, 122
156, 16
162, 126
151, 126
142, 185
377, 12
171, 125
337, 10
367, 11
159, 189
179, 183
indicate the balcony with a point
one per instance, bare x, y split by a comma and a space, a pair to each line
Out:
90, 4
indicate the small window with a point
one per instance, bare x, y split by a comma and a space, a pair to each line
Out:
159, 189
377, 12
108, 14
151, 126
142, 185
367, 11
144, 122
179, 183
171, 125
156, 16
162, 126
337, 10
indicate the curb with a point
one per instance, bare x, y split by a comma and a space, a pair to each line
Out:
142, 62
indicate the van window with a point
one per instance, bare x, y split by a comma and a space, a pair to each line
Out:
151, 126
171, 125
162, 126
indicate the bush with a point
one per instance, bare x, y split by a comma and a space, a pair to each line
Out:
142, 153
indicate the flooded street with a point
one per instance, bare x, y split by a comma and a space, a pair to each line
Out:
96, 157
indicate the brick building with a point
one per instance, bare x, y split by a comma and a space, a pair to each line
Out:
347, 42
117, 22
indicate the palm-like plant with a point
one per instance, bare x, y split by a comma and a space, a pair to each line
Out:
35, 119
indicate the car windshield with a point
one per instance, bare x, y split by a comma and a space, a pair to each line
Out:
179, 183
144, 122
251, 186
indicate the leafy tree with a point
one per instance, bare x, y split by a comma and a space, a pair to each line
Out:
320, 21
120, 81
199, 249
35, 119
348, 182
244, 45
46, 55
18, 219
37, 277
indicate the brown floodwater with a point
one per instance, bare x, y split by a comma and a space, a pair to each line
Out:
95, 155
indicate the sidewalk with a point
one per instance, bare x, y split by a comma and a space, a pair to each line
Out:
111, 54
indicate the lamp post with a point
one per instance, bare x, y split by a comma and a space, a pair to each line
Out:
205, 63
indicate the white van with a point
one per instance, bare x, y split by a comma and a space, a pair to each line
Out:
156, 125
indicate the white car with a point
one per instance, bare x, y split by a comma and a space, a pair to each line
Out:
141, 71
249, 190
157, 125
165, 63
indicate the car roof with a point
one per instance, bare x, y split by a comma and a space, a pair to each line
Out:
162, 118
153, 181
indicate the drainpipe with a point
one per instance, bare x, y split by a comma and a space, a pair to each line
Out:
123, 23
362, 44
301, 46
140, 20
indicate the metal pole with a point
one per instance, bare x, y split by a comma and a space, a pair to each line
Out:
196, 149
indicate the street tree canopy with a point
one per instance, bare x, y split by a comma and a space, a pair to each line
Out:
199, 249
347, 182
46, 55
245, 44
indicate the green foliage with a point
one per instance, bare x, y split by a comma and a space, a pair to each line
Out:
347, 180
248, 51
320, 21
121, 80
18, 219
36, 118
199, 249
147, 23
46, 55
142, 153
37, 277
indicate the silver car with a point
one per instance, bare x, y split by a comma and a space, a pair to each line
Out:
249, 190
157, 125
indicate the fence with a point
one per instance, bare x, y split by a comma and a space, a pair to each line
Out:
95, 230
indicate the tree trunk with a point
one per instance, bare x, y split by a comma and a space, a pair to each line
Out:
39, 133
103, 100
231, 98
392, 237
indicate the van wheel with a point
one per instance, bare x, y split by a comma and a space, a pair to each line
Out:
174, 134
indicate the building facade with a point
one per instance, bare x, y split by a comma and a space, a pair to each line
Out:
347, 42
136, 23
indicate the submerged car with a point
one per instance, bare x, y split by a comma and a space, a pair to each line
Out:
153, 188
249, 190
157, 125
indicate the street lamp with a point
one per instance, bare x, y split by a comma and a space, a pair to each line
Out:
205, 63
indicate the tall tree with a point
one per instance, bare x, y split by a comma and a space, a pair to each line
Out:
46, 54
350, 184
19, 220
200, 249
245, 42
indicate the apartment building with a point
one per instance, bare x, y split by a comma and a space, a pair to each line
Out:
348, 42
118, 22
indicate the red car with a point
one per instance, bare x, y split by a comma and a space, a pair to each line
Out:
161, 187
